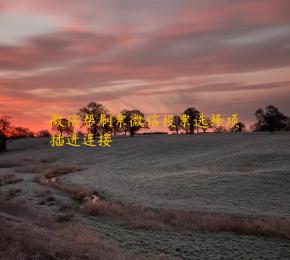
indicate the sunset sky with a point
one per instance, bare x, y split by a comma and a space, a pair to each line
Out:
156, 55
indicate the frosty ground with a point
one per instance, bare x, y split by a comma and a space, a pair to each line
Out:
236, 174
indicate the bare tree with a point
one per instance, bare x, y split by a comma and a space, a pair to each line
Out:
95, 110
206, 125
63, 126
193, 114
270, 119
176, 124
5, 127
43, 133
134, 121
21, 132
115, 126
238, 127
220, 129
287, 127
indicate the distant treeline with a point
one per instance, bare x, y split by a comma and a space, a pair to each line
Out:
268, 119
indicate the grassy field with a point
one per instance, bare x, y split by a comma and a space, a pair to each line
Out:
191, 197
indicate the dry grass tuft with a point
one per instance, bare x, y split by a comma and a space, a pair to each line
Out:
76, 192
66, 206
103, 208
9, 179
26, 234
11, 193
67, 217
8, 163
145, 218
32, 167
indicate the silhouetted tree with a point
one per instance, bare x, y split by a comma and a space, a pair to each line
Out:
193, 114
220, 129
125, 126
21, 132
287, 127
206, 125
132, 125
270, 119
115, 126
4, 131
64, 126
112, 126
176, 124
96, 110
43, 133
239, 127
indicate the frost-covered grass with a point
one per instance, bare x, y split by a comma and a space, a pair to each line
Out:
246, 175
233, 173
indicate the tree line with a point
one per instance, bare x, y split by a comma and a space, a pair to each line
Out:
268, 119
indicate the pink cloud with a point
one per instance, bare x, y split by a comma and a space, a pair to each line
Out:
153, 44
